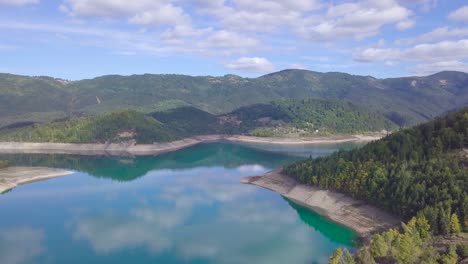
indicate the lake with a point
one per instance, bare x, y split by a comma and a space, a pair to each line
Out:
181, 207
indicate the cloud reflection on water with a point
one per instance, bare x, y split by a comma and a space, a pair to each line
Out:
246, 228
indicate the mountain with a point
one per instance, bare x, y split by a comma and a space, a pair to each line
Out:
292, 118
420, 174
405, 101
417, 171
307, 117
107, 127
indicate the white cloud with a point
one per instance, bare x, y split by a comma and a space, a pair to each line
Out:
141, 12
376, 54
356, 20
440, 33
405, 24
425, 4
257, 16
440, 51
430, 68
460, 14
299, 66
250, 64
18, 2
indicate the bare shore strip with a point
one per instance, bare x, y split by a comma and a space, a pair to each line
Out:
158, 148
358, 216
11, 177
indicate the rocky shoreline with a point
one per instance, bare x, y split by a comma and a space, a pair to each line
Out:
364, 219
128, 148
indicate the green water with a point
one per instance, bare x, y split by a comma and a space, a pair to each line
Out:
182, 207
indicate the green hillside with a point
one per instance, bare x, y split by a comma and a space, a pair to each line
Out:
406, 100
308, 117
109, 127
281, 118
419, 172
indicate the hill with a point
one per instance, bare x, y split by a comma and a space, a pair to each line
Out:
417, 170
405, 101
420, 174
307, 117
281, 118
109, 127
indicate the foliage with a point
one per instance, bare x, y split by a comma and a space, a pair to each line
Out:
110, 127
308, 117
189, 121
405, 245
406, 100
417, 170
455, 227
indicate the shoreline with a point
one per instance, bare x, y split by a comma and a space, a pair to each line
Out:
126, 148
11, 177
362, 218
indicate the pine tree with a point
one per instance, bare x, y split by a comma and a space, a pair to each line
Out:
378, 246
423, 226
365, 257
451, 257
348, 258
336, 257
455, 227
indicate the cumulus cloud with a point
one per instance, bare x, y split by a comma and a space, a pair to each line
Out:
250, 64
142, 12
426, 5
405, 24
460, 14
18, 2
437, 34
356, 20
444, 50
257, 16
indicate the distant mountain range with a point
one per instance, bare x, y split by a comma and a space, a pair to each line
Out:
405, 101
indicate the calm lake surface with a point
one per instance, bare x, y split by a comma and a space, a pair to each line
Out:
182, 207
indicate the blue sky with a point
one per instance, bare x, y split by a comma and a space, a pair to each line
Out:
76, 39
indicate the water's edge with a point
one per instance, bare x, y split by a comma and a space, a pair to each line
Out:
122, 149
364, 219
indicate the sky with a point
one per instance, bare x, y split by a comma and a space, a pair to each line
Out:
78, 39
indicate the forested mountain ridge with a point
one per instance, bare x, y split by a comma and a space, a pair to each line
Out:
292, 118
416, 171
419, 173
405, 101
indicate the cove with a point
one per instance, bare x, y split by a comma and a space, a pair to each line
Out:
181, 207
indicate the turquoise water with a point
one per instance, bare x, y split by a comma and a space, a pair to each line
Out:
182, 207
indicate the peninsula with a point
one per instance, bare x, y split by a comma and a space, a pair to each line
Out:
361, 217
10, 177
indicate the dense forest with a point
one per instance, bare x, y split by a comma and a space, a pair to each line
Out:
412, 243
421, 170
406, 101
110, 127
290, 118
